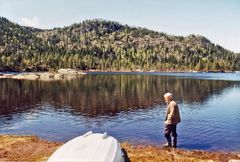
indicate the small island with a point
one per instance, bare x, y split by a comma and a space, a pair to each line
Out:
44, 76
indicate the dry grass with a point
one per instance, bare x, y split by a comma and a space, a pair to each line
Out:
25, 148
31, 148
156, 154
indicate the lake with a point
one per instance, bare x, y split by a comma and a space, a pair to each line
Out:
128, 106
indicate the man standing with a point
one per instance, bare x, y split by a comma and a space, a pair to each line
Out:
171, 120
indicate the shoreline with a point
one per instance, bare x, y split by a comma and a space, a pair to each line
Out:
65, 74
32, 148
71, 73
162, 71
64, 70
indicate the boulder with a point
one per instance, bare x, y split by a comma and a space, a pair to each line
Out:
26, 76
67, 71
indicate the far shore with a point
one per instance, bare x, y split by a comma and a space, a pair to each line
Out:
67, 74
120, 71
71, 71
32, 148
158, 71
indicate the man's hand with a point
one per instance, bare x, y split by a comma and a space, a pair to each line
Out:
166, 122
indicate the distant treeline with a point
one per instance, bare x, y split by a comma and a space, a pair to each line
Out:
107, 45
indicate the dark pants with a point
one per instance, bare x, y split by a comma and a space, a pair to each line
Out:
171, 129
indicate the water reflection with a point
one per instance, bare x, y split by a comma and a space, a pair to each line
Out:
95, 95
128, 107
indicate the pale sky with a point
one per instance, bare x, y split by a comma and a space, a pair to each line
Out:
218, 20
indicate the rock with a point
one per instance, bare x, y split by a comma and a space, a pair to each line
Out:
26, 76
6, 76
59, 76
67, 71
45, 76
139, 70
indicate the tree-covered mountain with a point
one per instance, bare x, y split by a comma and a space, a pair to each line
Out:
107, 45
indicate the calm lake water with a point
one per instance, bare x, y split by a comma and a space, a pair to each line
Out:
129, 106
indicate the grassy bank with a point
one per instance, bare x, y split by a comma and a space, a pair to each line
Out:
31, 148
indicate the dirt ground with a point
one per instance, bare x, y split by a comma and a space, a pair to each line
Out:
31, 148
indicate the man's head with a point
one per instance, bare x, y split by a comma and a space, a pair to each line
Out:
168, 97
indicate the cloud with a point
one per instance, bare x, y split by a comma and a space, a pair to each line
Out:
33, 22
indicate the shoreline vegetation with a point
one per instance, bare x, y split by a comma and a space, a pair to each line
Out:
32, 148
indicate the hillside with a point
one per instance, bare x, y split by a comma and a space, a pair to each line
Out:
107, 45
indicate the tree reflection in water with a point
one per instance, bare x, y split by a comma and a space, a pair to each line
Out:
94, 95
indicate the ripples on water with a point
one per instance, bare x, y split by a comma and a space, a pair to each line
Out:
129, 107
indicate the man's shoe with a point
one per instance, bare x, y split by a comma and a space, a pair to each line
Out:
166, 145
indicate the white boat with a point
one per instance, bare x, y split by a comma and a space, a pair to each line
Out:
90, 147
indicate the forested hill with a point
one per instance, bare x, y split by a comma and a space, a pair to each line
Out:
107, 45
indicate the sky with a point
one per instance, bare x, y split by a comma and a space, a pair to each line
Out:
218, 20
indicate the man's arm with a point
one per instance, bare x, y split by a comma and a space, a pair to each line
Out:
171, 114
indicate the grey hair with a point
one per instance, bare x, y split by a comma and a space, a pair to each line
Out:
167, 94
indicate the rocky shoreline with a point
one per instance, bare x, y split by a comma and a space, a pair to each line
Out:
66, 74
45, 76
32, 148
